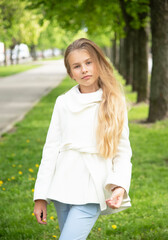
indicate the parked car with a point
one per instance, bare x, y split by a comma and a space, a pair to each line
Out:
2, 57
2, 52
20, 51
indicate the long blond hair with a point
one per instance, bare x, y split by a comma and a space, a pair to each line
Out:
112, 106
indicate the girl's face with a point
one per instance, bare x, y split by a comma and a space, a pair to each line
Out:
83, 70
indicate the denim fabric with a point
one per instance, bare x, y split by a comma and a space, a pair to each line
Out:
76, 221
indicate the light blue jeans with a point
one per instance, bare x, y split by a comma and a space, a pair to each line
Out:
76, 221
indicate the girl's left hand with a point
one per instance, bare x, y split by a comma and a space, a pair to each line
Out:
116, 198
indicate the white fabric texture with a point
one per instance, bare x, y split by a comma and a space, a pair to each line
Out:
71, 169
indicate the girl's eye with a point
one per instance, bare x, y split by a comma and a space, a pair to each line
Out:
76, 66
89, 63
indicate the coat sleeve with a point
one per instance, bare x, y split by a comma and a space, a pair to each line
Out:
49, 157
121, 167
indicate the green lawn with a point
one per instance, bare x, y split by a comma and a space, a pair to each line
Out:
20, 155
14, 69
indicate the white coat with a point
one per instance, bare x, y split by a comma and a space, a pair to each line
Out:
72, 130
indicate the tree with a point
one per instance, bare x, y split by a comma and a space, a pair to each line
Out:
99, 17
136, 45
96, 14
53, 36
11, 12
159, 80
29, 30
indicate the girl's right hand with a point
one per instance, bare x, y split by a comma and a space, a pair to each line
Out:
40, 211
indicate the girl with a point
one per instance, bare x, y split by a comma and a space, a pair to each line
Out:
85, 168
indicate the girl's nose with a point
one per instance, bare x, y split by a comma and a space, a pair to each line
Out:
84, 69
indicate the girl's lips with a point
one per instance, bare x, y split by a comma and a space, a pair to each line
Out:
87, 77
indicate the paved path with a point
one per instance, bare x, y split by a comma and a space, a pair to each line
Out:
20, 92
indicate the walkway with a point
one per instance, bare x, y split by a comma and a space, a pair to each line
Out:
20, 92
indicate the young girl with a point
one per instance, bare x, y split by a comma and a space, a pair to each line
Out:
85, 168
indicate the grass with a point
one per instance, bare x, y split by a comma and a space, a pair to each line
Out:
21, 149
14, 69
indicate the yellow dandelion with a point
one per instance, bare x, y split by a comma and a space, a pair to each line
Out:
114, 226
3, 189
20, 172
54, 236
1, 182
13, 165
33, 179
99, 229
37, 165
9, 179
27, 140
13, 178
51, 217
33, 214
31, 170
20, 166
32, 190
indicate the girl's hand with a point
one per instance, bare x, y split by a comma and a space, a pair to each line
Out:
116, 198
40, 211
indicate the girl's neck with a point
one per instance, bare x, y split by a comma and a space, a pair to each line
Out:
88, 89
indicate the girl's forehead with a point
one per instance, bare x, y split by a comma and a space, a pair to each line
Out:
79, 54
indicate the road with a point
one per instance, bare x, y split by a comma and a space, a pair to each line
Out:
20, 92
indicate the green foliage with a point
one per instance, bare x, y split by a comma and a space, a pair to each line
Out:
55, 24
29, 28
21, 150
18, 24
53, 36
137, 12
96, 16
9, 17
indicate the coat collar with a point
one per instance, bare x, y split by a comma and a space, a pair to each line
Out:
77, 101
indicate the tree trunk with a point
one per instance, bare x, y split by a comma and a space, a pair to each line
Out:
159, 80
122, 63
53, 54
11, 53
104, 50
128, 56
114, 50
135, 60
128, 42
117, 56
33, 52
107, 52
143, 65
18, 53
5, 55
42, 54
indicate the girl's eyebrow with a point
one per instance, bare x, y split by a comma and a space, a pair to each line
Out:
84, 61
